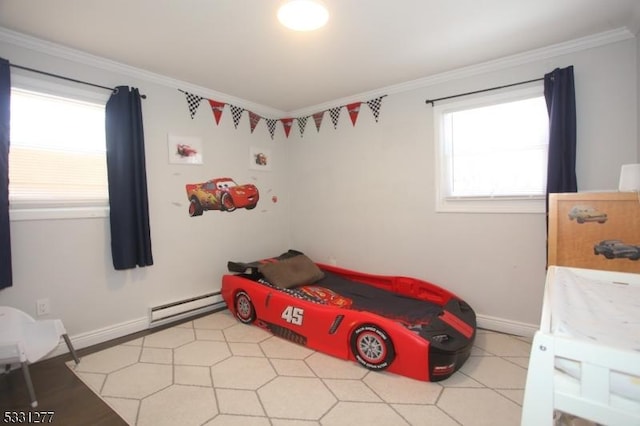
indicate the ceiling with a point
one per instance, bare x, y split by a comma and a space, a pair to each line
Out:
238, 48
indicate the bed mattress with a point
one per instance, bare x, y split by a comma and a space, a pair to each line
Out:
600, 311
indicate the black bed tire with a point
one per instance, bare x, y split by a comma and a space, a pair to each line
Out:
245, 311
372, 347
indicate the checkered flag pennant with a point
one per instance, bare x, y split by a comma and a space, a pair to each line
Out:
271, 125
334, 113
194, 103
302, 123
317, 118
375, 105
236, 113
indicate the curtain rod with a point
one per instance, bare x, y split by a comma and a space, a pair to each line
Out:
112, 89
432, 101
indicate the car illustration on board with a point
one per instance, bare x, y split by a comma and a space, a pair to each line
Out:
220, 194
583, 214
616, 249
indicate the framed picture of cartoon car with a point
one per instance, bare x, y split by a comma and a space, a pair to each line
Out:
259, 158
184, 149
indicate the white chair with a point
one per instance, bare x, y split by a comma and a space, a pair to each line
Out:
24, 340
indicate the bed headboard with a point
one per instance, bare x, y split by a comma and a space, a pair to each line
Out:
585, 223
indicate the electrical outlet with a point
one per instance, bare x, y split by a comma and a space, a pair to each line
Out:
43, 307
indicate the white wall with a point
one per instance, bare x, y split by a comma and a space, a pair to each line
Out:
364, 196
361, 195
69, 261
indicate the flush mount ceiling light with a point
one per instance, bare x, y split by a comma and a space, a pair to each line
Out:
303, 15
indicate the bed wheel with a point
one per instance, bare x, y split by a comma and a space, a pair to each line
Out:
372, 347
244, 308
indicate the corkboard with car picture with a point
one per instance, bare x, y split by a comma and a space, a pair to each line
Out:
599, 230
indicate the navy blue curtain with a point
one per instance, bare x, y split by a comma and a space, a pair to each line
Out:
559, 92
6, 274
126, 170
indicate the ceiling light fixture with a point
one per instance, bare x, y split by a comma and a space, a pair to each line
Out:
303, 15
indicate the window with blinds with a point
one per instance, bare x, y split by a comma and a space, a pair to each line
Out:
57, 156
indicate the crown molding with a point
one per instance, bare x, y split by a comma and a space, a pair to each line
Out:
59, 51
576, 45
530, 56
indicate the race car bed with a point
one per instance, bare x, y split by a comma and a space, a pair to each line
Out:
404, 325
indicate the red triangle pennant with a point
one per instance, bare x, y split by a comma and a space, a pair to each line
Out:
354, 110
253, 120
217, 108
287, 123
317, 117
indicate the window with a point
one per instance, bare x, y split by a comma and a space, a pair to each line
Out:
491, 153
57, 157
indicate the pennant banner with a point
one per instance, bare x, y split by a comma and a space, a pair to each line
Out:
271, 125
317, 117
334, 113
286, 123
217, 108
375, 105
354, 110
302, 123
236, 113
194, 102
254, 119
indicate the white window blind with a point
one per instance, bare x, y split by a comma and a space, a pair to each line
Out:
57, 155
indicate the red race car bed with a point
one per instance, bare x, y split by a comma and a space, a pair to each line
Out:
404, 325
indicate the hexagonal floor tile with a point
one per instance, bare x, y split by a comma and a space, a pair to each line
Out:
495, 372
242, 373
502, 344
479, 407
169, 338
197, 405
424, 415
276, 347
138, 381
245, 333
216, 321
362, 413
296, 398
109, 360
351, 390
399, 389
201, 352
329, 367
238, 401
227, 420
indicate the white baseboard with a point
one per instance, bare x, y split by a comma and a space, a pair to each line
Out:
102, 335
506, 326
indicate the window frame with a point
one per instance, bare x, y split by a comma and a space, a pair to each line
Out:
446, 203
59, 209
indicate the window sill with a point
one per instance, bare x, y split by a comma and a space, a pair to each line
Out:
534, 204
24, 212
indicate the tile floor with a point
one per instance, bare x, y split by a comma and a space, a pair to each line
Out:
216, 371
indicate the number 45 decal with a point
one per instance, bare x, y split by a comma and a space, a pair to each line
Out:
293, 315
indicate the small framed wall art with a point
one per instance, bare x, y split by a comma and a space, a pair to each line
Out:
259, 159
184, 149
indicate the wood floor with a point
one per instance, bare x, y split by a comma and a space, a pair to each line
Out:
59, 390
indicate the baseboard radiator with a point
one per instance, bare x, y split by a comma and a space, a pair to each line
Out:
174, 311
